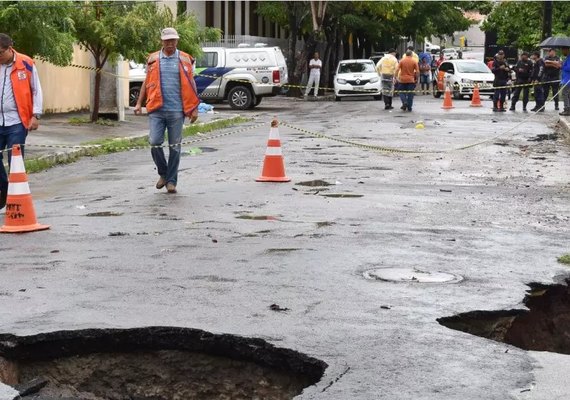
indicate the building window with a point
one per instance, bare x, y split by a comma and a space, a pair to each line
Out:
231, 18
209, 13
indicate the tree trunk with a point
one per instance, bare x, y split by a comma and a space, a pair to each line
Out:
292, 51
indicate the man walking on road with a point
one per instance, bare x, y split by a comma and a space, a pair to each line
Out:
502, 71
407, 73
552, 75
565, 82
523, 69
386, 68
171, 96
315, 66
21, 103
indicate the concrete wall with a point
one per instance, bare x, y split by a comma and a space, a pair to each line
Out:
66, 89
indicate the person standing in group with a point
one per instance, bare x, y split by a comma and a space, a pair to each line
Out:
425, 75
171, 95
552, 66
565, 81
315, 66
21, 100
523, 70
414, 54
386, 68
537, 78
407, 73
502, 71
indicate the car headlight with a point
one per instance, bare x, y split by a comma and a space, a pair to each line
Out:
374, 80
341, 81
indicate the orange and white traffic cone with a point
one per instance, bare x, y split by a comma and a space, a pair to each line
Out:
20, 214
273, 164
476, 99
447, 104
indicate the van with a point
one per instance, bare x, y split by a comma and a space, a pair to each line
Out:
242, 76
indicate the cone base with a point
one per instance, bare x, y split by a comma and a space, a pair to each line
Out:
273, 179
23, 228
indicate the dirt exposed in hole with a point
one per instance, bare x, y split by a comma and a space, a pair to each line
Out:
544, 327
159, 363
543, 137
315, 183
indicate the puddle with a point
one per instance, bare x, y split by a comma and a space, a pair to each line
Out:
158, 363
258, 217
410, 275
543, 327
315, 183
104, 214
543, 137
342, 195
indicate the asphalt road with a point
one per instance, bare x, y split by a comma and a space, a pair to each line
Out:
495, 214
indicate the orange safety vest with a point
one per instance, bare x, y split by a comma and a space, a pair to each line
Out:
21, 77
154, 98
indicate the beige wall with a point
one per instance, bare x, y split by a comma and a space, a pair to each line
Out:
65, 88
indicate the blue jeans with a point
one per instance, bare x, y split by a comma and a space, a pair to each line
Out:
9, 136
407, 98
171, 121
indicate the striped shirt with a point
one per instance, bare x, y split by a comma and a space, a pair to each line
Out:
170, 82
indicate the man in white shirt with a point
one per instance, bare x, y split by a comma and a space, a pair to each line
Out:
20, 103
315, 66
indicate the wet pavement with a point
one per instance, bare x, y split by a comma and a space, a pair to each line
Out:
223, 251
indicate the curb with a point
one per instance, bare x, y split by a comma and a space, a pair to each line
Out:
565, 125
72, 155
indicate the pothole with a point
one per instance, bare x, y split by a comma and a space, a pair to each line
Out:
258, 217
104, 214
543, 136
543, 327
315, 183
342, 195
159, 363
411, 275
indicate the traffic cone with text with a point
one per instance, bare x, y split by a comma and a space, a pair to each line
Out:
20, 213
273, 163
476, 99
447, 104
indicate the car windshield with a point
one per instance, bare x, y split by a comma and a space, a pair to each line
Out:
473, 68
347, 68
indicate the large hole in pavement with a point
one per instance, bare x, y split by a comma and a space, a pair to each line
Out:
545, 326
159, 363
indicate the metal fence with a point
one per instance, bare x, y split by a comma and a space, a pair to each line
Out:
236, 40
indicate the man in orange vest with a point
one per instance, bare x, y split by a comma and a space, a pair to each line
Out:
20, 103
171, 96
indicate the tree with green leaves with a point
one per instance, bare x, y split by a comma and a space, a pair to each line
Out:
108, 29
519, 24
39, 29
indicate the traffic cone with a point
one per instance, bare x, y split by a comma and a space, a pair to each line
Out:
20, 214
273, 164
447, 104
476, 99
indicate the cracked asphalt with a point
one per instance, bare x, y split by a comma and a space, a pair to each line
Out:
220, 252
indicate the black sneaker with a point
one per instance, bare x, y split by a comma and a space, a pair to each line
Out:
565, 113
512, 108
404, 107
495, 109
534, 109
524, 109
502, 109
556, 108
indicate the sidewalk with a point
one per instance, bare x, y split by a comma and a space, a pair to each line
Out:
56, 129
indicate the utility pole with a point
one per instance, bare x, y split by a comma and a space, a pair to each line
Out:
547, 20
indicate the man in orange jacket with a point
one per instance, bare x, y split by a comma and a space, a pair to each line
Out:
171, 95
20, 103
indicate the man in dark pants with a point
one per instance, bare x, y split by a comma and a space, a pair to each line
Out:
501, 70
523, 69
552, 66
537, 78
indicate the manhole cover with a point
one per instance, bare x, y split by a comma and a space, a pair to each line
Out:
411, 275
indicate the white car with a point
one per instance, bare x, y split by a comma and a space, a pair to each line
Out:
137, 73
450, 54
460, 76
357, 78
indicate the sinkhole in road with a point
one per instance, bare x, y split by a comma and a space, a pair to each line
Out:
159, 363
543, 327
411, 275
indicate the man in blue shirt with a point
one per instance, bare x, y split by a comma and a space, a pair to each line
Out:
565, 82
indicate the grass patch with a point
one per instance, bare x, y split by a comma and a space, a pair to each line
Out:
107, 146
565, 259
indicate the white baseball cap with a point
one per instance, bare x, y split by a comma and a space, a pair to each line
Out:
169, 33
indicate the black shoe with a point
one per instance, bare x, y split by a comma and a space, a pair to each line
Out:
404, 107
386, 107
390, 108
534, 109
495, 109
524, 109
513, 108
556, 107
541, 109
502, 109
565, 113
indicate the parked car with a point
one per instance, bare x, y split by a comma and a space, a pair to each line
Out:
137, 73
377, 56
460, 76
242, 76
357, 78
450, 54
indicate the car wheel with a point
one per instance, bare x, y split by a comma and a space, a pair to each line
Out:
255, 102
436, 93
379, 97
337, 98
240, 98
134, 95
